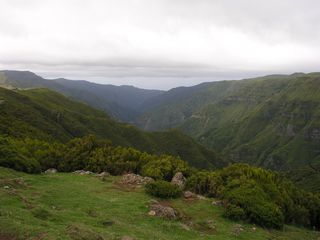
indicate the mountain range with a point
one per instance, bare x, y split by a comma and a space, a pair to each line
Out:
47, 115
271, 121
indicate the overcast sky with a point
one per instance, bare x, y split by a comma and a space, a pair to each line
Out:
159, 43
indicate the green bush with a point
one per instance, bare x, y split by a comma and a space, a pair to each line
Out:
235, 212
164, 167
10, 157
205, 183
163, 189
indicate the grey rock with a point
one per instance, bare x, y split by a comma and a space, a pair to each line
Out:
51, 171
179, 180
135, 179
163, 211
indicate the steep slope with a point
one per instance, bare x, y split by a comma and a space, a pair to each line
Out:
44, 114
272, 121
121, 102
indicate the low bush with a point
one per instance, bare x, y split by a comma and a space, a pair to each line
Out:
163, 189
235, 212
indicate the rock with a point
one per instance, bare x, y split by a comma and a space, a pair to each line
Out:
135, 179
237, 229
82, 172
51, 170
254, 229
200, 197
179, 180
103, 174
163, 211
6, 187
217, 203
151, 213
189, 195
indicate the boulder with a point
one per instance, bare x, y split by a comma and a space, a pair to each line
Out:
189, 195
156, 209
200, 197
179, 180
135, 179
82, 172
103, 174
51, 170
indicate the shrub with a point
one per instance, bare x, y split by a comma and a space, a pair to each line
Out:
11, 158
163, 189
164, 167
235, 212
257, 206
205, 183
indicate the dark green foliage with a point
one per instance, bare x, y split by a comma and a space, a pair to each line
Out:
256, 205
259, 196
11, 157
51, 117
205, 183
165, 168
163, 189
235, 212
271, 122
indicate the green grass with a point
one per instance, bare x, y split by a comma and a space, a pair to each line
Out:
69, 206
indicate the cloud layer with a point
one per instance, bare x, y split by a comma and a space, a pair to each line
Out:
159, 43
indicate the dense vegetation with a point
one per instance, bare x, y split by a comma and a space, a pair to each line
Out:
258, 195
163, 189
49, 116
272, 122
251, 194
41, 129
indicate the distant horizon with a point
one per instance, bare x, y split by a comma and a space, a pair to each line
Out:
102, 80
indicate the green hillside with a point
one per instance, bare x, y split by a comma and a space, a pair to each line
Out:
271, 121
120, 102
71, 206
50, 116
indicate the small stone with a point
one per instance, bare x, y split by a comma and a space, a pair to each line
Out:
82, 172
237, 229
103, 174
200, 197
51, 171
151, 213
188, 195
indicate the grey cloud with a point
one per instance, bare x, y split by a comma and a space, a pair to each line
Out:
160, 43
